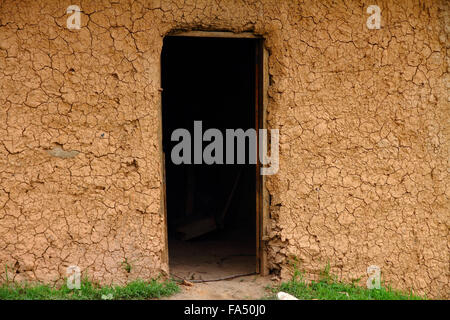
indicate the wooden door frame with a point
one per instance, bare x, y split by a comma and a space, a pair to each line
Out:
261, 100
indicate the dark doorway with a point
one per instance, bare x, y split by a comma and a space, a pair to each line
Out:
211, 209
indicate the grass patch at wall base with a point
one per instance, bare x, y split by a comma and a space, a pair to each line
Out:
329, 288
136, 290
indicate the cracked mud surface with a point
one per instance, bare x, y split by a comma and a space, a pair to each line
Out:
364, 136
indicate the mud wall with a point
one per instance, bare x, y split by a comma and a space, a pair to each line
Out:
363, 117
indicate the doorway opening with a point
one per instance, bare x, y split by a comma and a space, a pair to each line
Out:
212, 210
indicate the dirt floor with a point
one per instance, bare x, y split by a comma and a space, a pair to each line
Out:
216, 255
242, 288
219, 255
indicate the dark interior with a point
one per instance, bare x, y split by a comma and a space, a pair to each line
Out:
212, 80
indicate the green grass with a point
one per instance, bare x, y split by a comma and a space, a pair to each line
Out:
136, 290
329, 288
